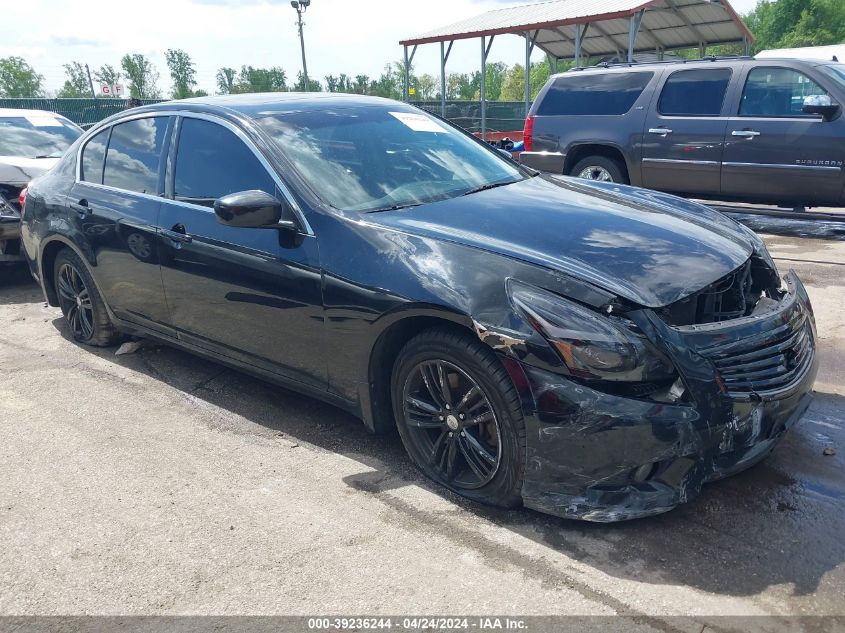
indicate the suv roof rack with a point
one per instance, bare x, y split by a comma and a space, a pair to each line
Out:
631, 64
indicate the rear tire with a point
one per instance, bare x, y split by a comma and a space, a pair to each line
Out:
81, 304
601, 169
470, 435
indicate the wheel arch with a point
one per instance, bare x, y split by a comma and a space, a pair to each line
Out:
376, 405
46, 261
580, 151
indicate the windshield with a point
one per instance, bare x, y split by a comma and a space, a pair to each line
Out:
835, 72
377, 158
36, 136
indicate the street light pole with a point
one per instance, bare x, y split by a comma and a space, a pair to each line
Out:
301, 6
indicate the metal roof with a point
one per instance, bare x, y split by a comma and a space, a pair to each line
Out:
666, 24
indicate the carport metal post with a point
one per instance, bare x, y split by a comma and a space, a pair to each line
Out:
485, 50
580, 32
407, 79
633, 29
527, 71
444, 57
408, 62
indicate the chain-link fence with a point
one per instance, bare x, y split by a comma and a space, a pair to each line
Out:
83, 112
502, 116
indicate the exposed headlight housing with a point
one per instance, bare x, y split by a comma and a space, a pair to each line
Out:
592, 346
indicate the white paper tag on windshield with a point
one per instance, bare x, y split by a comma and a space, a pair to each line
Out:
419, 122
44, 121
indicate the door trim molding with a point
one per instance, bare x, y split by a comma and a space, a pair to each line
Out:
822, 168
680, 161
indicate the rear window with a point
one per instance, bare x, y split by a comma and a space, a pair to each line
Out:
133, 159
698, 92
593, 93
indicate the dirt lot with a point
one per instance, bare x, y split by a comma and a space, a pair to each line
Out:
159, 483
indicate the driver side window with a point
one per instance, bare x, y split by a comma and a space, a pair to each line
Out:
211, 161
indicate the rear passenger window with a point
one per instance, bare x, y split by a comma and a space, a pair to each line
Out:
698, 92
777, 92
93, 155
593, 93
133, 160
212, 161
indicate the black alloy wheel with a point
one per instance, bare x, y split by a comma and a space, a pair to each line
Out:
460, 416
81, 304
75, 300
453, 423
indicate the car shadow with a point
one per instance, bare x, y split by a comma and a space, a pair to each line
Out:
17, 285
779, 523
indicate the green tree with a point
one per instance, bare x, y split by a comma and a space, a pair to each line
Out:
361, 85
19, 79
426, 86
226, 80
793, 23
76, 85
252, 79
182, 72
313, 84
142, 75
107, 75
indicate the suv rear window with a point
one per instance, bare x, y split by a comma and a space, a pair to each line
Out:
698, 92
593, 93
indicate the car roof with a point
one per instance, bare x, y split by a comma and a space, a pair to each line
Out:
262, 103
669, 63
19, 112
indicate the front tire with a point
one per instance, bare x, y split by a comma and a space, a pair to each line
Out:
459, 416
599, 168
81, 304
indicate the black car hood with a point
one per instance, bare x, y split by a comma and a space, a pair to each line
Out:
650, 248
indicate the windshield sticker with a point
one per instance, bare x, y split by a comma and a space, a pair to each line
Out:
44, 121
418, 122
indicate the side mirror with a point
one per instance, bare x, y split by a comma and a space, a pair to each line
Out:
820, 104
252, 209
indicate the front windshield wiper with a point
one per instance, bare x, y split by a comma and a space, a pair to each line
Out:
489, 185
53, 155
395, 207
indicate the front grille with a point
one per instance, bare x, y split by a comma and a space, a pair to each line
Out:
755, 366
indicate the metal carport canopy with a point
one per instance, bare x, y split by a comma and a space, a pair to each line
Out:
592, 28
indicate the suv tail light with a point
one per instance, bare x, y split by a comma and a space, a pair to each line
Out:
528, 134
22, 199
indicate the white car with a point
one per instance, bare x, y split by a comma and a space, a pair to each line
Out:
31, 141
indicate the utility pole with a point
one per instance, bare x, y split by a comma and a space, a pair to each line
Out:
90, 83
301, 6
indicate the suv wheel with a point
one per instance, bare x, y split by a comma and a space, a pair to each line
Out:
599, 168
459, 416
81, 304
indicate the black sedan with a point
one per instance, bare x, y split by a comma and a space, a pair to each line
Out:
591, 350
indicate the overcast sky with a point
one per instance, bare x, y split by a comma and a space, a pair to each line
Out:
349, 36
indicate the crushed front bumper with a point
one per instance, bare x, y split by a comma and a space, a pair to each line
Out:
602, 457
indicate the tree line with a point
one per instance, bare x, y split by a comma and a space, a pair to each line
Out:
19, 79
775, 24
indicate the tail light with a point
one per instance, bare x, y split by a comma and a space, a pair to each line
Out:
528, 134
22, 199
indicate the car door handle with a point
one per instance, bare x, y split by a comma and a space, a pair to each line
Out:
82, 208
659, 130
745, 133
177, 235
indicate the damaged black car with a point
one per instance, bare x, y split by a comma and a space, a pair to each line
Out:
590, 350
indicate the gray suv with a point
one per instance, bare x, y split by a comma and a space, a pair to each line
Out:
766, 131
